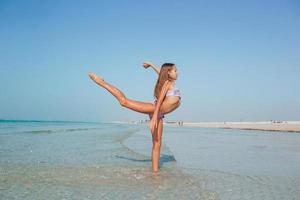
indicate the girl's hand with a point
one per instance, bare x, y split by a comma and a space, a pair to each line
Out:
146, 64
153, 124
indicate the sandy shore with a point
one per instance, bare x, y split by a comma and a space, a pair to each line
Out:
289, 126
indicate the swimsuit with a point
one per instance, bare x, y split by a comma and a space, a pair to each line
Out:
174, 92
160, 115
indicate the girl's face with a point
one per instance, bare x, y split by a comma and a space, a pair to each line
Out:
173, 73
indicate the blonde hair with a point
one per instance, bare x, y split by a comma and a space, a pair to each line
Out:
162, 78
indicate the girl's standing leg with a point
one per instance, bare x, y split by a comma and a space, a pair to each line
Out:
156, 139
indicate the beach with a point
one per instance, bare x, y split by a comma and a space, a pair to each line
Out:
288, 126
63, 160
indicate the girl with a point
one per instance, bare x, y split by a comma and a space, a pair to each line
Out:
167, 99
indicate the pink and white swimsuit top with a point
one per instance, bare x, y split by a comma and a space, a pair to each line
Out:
174, 92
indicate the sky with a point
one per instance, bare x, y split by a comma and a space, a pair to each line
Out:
236, 60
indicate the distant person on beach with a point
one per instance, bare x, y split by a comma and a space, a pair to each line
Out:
167, 99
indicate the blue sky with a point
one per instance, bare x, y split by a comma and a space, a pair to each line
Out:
237, 60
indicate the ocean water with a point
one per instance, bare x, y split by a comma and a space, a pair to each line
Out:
72, 160
63, 160
239, 164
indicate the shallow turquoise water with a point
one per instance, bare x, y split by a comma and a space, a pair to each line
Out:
63, 160
239, 164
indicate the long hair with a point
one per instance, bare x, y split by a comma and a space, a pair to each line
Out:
162, 78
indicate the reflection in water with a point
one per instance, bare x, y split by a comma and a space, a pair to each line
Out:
163, 159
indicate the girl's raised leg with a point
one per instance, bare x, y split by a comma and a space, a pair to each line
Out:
137, 106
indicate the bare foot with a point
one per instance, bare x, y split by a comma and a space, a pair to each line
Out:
97, 79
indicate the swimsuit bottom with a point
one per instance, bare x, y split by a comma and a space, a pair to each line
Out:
160, 114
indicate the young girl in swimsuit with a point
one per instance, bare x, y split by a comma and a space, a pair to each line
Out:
167, 99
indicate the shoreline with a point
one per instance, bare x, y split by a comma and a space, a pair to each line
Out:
277, 126
285, 126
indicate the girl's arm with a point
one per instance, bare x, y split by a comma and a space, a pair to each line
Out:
153, 66
153, 122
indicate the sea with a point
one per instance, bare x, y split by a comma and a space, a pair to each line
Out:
109, 160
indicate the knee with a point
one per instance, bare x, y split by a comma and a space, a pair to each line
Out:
156, 145
123, 101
